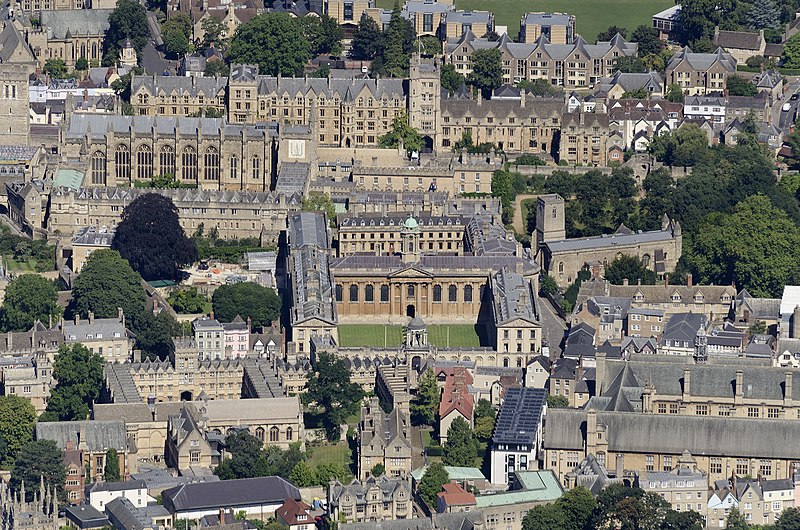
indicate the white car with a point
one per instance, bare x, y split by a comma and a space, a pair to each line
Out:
786, 107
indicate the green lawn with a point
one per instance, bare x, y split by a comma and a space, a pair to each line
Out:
459, 336
331, 454
379, 335
591, 16
19, 266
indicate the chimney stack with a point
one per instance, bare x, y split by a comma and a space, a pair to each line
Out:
625, 281
687, 383
739, 386
689, 280
666, 281
787, 389
91, 317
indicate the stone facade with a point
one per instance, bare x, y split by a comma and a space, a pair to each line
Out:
383, 439
370, 499
700, 73
69, 34
14, 99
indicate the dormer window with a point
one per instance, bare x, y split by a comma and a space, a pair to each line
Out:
699, 298
676, 297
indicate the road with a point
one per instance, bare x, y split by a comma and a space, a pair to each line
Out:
553, 328
784, 120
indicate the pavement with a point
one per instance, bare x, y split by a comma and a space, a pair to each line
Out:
553, 328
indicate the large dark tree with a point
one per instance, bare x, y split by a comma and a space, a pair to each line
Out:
432, 481
611, 32
17, 418
127, 21
248, 300
460, 448
150, 237
79, 373
426, 401
37, 460
629, 268
647, 38
330, 390
399, 38
28, 298
106, 283
487, 71
111, 471
273, 41
368, 42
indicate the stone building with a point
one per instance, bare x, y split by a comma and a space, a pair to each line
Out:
93, 439
187, 446
516, 315
108, 337
69, 34
370, 499
700, 73
18, 514
87, 240
383, 439
28, 376
563, 258
232, 214
455, 23
16, 68
178, 96
558, 28
684, 486
27, 205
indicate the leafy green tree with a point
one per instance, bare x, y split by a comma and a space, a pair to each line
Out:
399, 38
654, 61
539, 87
377, 470
647, 38
111, 470
429, 46
629, 268
557, 402
631, 508
791, 52
213, 32
736, 521
106, 283
79, 376
36, 460
544, 517
303, 476
487, 71
17, 420
789, 519
451, 80
659, 187
128, 20
683, 147
611, 32
426, 401
690, 520
759, 327
216, 69
641, 93
368, 40
484, 428
431, 484
323, 34
578, 505
329, 389
55, 68
248, 300
330, 471
756, 245
401, 131
765, 14
82, 64
176, 42
674, 93
739, 86
154, 334
548, 285
151, 238
485, 409
273, 41
460, 448
28, 298
320, 202
629, 64
188, 301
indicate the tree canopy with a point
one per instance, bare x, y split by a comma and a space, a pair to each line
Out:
250, 459
631, 269
399, 39
487, 71
28, 298
37, 459
426, 401
79, 376
368, 40
739, 86
460, 448
106, 283
402, 131
273, 41
128, 20
330, 390
432, 481
151, 238
248, 300
647, 38
17, 420
111, 469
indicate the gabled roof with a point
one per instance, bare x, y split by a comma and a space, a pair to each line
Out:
229, 494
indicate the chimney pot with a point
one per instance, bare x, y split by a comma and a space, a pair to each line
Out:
689, 280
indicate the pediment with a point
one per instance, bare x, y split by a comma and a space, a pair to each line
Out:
412, 271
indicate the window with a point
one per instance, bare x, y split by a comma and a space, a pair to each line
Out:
211, 164
369, 293
742, 467
662, 408
667, 463
765, 468
752, 412
452, 293
649, 462
468, 293
338, 292
437, 293
256, 168
673, 408
348, 11
715, 465
189, 164
194, 457
260, 434
385, 293
354, 293
701, 410
166, 160
773, 413
273, 434
99, 168
122, 159
289, 433
144, 163
234, 167
427, 22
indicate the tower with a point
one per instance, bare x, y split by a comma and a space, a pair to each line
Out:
701, 346
424, 100
410, 237
550, 225
14, 103
128, 55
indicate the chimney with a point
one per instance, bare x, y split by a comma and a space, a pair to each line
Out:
77, 319
739, 386
666, 281
620, 465
480, 97
689, 280
599, 371
591, 430
787, 389
687, 383
522, 98
91, 317
121, 315
796, 323
70, 445
221, 516
625, 281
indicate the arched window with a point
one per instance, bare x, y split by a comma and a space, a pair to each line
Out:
211, 164
369, 293
94, 50
338, 292
452, 293
561, 266
260, 434
234, 168
437, 293
384, 293
122, 159
256, 168
519, 362
289, 433
646, 260
468, 293
166, 160
505, 362
144, 163
273, 434
354, 293
99, 168
189, 164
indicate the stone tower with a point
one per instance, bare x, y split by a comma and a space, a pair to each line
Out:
550, 225
14, 103
424, 100
128, 55
410, 236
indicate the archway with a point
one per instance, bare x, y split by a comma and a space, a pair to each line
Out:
427, 146
416, 362
186, 395
411, 311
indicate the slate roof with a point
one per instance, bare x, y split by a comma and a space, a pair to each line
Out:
117, 486
97, 435
520, 416
75, 22
308, 228
123, 513
96, 125
608, 241
683, 327
701, 62
389, 488
513, 298
468, 17
229, 494
740, 40
312, 285
170, 84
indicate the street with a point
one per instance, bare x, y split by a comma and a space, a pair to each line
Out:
784, 120
553, 328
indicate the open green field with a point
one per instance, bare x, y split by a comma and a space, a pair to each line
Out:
591, 16
19, 267
330, 454
391, 336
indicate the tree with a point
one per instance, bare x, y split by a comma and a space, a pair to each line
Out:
757, 246
689, 520
429, 46
460, 449
647, 38
213, 32
674, 93
274, 41
432, 481
303, 476
791, 52
544, 517
79, 376
539, 87
736, 521
765, 14
557, 402
484, 428
759, 327
154, 334
548, 285
111, 471
400, 37
248, 300
578, 505
36, 460
216, 69
28, 298
176, 42
487, 71
611, 32
82, 64
426, 401
128, 20
686, 146
402, 131
323, 34
55, 68
188, 301
629, 65
629, 268
641, 93
320, 202
368, 42
739, 86
105, 284
151, 238
17, 420
654, 61
485, 409
329, 388
377, 470
789, 519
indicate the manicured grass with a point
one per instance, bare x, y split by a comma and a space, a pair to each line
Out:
339, 454
591, 16
377, 335
19, 267
453, 336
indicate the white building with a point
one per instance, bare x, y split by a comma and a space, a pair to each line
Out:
101, 493
708, 108
517, 435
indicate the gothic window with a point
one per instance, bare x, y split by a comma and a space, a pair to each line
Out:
260, 434
369, 293
166, 160
122, 159
273, 434
384, 293
189, 164
468, 293
211, 164
646, 260
234, 168
452, 293
338, 292
354, 293
561, 267
256, 168
437, 293
144, 163
289, 433
99, 168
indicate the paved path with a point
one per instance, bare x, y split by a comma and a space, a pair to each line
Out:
520, 224
553, 328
